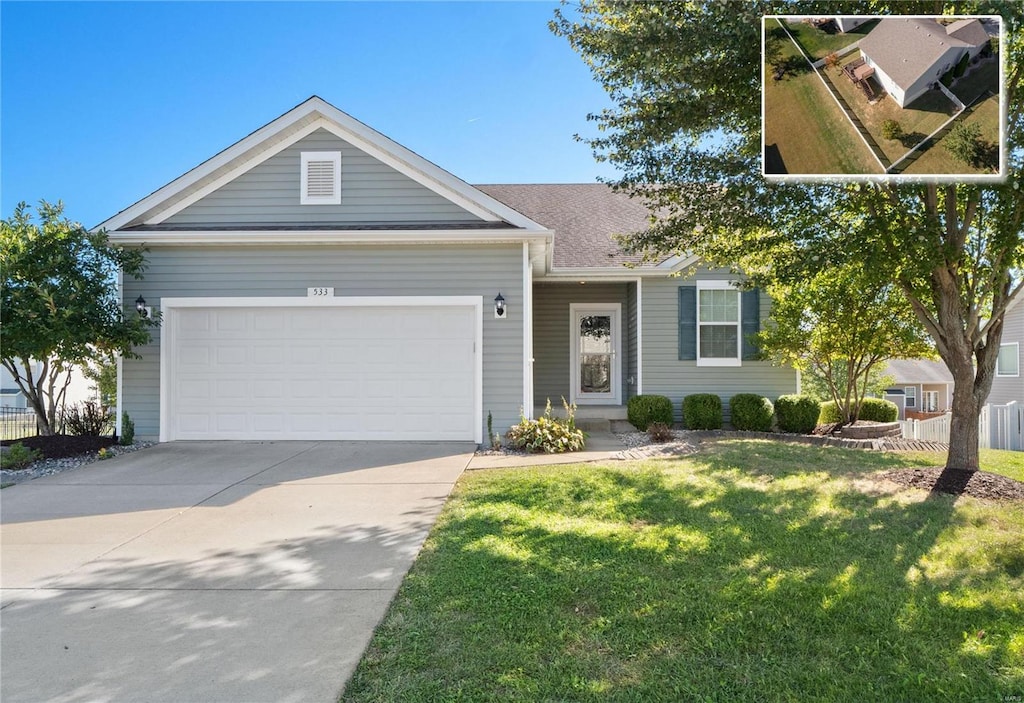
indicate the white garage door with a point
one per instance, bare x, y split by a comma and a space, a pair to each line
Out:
387, 373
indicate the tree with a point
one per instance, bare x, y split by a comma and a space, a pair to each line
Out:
841, 326
102, 372
60, 304
891, 129
686, 135
964, 143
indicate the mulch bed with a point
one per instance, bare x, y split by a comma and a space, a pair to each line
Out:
977, 484
59, 446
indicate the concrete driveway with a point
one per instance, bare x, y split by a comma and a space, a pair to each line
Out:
211, 571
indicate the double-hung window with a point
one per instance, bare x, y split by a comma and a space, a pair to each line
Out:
1008, 362
719, 335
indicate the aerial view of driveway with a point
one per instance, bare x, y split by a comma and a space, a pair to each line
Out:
211, 571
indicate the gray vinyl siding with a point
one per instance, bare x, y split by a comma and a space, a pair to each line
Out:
665, 374
371, 192
552, 334
1007, 388
471, 270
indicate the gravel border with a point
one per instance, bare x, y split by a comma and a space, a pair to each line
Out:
49, 467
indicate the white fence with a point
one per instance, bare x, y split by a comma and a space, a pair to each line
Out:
999, 427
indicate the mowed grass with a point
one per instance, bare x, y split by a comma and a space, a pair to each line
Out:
819, 44
811, 133
753, 571
921, 117
936, 159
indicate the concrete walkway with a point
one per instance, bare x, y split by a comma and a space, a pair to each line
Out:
601, 446
211, 571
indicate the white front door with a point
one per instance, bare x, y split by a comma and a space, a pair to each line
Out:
596, 362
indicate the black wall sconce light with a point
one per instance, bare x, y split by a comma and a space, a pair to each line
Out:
499, 307
140, 307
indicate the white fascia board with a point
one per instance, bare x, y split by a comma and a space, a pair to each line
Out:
622, 273
207, 167
344, 127
299, 237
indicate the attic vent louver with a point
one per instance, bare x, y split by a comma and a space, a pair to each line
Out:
321, 178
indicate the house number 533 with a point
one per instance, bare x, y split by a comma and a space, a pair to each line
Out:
320, 292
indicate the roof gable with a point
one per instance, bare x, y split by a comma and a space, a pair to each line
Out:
312, 117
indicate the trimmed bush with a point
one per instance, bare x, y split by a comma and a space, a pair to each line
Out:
797, 413
751, 412
874, 409
548, 434
18, 456
127, 430
702, 411
879, 410
829, 413
642, 410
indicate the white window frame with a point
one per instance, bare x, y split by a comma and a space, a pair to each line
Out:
721, 285
927, 406
1016, 346
910, 395
335, 197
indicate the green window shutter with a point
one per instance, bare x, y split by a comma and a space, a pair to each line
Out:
751, 306
687, 323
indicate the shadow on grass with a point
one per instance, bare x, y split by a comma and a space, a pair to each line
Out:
747, 572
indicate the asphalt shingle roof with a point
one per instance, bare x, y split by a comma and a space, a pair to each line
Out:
907, 47
585, 218
918, 371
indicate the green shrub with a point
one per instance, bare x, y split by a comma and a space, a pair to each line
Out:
19, 456
797, 413
879, 410
891, 129
702, 411
829, 413
751, 412
874, 409
642, 410
548, 434
659, 432
127, 430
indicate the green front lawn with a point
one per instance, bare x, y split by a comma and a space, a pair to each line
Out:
804, 123
936, 159
751, 571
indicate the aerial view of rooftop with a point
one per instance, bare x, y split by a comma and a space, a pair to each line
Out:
901, 96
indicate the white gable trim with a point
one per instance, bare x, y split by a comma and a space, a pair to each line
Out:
344, 127
299, 237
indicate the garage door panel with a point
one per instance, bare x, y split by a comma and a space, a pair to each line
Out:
324, 372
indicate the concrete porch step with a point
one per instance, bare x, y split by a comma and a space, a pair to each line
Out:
587, 412
594, 424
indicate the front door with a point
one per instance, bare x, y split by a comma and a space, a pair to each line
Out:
596, 363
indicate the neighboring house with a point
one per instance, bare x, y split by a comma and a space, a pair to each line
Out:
319, 281
79, 390
848, 24
1008, 384
910, 54
922, 388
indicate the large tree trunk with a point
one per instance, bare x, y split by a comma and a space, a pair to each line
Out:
963, 427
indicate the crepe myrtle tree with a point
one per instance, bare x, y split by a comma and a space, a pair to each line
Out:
841, 326
60, 307
684, 130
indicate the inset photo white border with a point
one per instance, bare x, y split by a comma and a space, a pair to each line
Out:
846, 72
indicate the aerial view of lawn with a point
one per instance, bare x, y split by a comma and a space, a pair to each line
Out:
818, 44
804, 128
918, 120
936, 159
752, 570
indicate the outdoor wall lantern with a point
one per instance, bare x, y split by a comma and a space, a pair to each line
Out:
499, 306
140, 307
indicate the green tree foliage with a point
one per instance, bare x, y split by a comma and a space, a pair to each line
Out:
964, 143
60, 304
685, 132
841, 324
891, 129
102, 372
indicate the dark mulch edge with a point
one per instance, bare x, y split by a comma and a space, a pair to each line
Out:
60, 446
976, 484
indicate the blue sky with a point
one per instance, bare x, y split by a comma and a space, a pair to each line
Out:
102, 103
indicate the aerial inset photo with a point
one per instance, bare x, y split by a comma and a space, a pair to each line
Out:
896, 96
